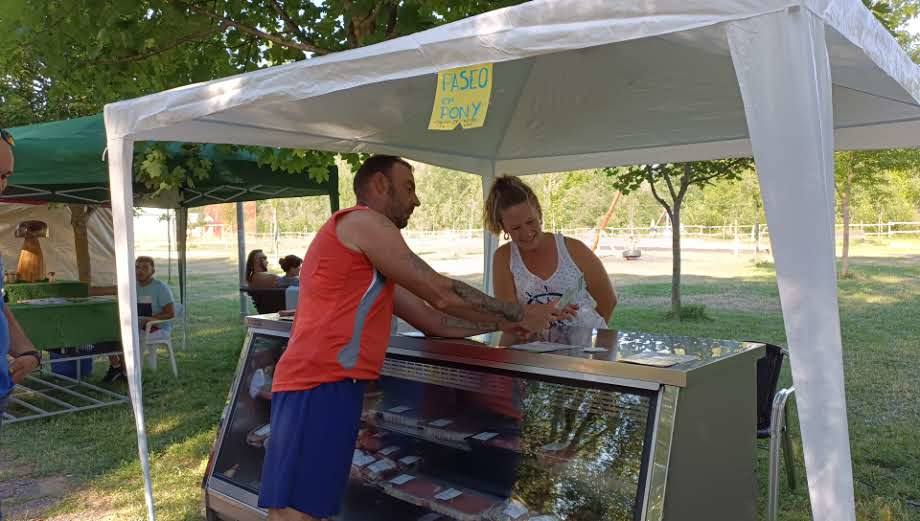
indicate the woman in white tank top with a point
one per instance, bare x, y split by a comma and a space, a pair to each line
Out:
538, 266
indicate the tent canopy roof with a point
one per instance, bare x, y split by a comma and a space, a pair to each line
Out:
578, 84
63, 161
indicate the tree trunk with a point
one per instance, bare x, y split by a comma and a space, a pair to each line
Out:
757, 228
79, 215
675, 256
845, 210
168, 247
605, 220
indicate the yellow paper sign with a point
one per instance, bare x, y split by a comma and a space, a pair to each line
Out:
462, 97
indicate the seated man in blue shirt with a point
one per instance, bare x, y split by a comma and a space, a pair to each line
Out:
154, 302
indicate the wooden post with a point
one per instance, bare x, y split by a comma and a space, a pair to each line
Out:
79, 216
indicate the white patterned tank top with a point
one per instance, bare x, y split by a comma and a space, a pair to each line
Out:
533, 289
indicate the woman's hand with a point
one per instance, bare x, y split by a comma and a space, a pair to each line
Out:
568, 312
538, 317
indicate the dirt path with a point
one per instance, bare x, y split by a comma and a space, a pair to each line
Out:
27, 497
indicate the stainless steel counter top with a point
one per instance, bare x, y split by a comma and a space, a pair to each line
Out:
594, 365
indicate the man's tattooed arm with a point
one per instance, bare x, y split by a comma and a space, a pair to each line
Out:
479, 301
468, 326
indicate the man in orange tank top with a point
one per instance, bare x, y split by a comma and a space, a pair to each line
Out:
357, 273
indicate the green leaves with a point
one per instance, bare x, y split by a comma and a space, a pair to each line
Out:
294, 161
319, 173
159, 171
894, 15
669, 182
879, 182
65, 59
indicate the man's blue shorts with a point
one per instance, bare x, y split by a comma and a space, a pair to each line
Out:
309, 454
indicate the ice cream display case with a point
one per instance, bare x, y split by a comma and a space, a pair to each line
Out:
582, 425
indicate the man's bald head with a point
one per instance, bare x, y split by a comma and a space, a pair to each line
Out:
6, 163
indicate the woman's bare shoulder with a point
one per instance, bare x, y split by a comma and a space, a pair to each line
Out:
576, 247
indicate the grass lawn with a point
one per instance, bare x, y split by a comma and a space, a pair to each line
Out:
95, 453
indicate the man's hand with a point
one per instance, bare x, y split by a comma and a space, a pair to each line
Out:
21, 367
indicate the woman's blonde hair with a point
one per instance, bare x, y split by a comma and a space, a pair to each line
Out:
507, 191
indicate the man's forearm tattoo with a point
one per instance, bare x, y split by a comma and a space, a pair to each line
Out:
460, 323
478, 300
510, 311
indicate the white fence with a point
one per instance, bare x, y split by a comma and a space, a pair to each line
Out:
610, 238
730, 232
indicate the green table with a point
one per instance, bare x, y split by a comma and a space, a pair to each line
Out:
82, 321
20, 291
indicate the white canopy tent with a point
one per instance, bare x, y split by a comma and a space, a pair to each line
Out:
592, 83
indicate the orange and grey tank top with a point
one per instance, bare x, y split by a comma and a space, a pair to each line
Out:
342, 326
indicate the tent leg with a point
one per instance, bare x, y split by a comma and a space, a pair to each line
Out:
120, 158
241, 254
182, 247
489, 241
783, 71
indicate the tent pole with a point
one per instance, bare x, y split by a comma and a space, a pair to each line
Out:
120, 157
489, 240
241, 254
182, 247
784, 75
333, 189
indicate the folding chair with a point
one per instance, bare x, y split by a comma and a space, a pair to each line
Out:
772, 419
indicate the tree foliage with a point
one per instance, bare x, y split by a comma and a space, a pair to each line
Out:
67, 58
669, 184
894, 15
870, 171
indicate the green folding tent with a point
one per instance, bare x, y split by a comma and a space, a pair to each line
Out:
64, 162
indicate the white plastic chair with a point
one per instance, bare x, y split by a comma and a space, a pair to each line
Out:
149, 347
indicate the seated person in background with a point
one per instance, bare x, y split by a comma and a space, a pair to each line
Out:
291, 266
537, 266
154, 302
257, 275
